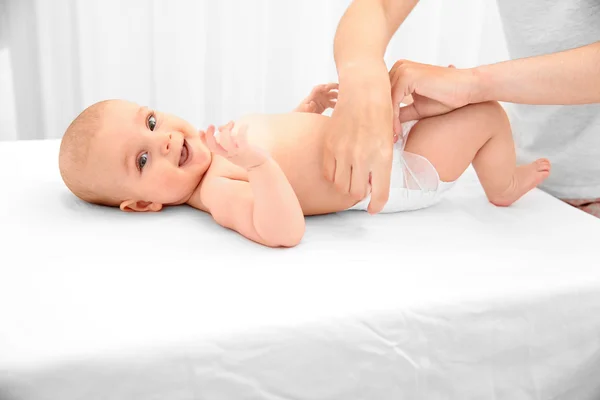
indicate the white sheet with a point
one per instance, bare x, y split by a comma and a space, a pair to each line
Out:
460, 301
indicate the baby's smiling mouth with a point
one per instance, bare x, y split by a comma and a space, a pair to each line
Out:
185, 153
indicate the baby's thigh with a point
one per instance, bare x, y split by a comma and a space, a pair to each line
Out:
451, 141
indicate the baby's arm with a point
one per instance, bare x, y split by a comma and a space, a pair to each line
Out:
320, 99
265, 209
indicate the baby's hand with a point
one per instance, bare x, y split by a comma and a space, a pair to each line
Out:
320, 99
235, 147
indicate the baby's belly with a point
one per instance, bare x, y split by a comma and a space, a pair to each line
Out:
295, 141
319, 196
316, 194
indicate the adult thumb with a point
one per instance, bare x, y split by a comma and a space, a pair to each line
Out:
408, 113
397, 102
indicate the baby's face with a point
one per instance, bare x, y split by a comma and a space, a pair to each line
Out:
147, 158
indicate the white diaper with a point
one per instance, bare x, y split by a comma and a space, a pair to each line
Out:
414, 183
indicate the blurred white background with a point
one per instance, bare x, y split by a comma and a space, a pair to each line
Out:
206, 60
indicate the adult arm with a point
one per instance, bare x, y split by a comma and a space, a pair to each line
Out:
566, 77
358, 145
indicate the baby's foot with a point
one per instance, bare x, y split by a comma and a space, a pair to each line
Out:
526, 177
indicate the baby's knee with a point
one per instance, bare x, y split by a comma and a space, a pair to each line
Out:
492, 111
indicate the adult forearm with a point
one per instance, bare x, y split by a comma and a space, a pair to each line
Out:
568, 77
365, 30
277, 216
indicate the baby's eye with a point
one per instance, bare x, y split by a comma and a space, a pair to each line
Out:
142, 160
151, 122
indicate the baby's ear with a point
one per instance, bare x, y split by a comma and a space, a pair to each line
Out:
140, 206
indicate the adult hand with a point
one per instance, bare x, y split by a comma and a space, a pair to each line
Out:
358, 143
435, 90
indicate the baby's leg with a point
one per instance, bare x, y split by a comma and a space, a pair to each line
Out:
477, 133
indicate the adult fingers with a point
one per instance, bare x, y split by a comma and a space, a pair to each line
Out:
343, 176
329, 165
398, 93
380, 183
359, 184
406, 113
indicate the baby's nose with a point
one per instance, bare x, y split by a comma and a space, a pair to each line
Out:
166, 146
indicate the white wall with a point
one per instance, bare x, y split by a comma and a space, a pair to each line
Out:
208, 61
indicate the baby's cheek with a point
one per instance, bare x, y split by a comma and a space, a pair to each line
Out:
170, 182
162, 186
176, 185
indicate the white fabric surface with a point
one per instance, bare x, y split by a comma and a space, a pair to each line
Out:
462, 300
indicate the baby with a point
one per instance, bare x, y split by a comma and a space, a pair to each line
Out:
262, 174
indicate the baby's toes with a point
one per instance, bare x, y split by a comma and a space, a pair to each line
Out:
543, 165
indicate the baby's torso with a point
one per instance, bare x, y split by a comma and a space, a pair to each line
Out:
296, 143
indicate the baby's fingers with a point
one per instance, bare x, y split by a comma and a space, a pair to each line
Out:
332, 86
212, 144
209, 138
228, 125
311, 107
225, 139
241, 139
317, 90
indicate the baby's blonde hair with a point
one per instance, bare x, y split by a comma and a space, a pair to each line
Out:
74, 154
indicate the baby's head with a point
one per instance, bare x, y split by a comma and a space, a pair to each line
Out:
116, 153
